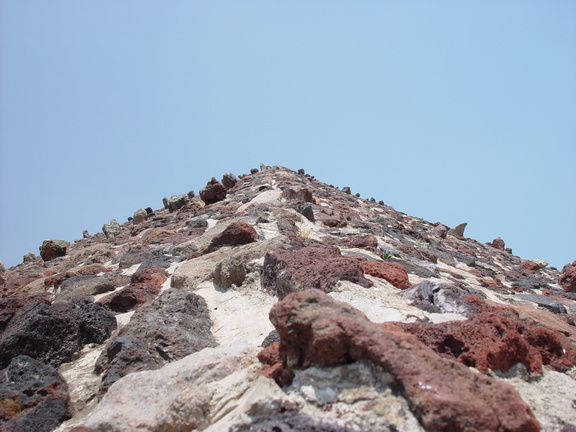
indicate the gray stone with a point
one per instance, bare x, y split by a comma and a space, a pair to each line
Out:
175, 325
34, 396
458, 231
440, 299
29, 257
176, 202
545, 302
51, 249
346, 189
229, 180
140, 216
82, 286
112, 229
2, 268
85, 234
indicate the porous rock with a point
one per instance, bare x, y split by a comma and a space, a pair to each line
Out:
112, 229
176, 324
229, 180
130, 297
140, 216
176, 202
55, 333
316, 330
213, 192
51, 249
317, 266
567, 279
33, 396
498, 243
392, 272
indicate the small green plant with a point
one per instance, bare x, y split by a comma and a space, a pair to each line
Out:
387, 255
421, 219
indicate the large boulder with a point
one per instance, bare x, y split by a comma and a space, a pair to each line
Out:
175, 325
318, 266
316, 330
33, 396
229, 180
54, 333
51, 249
176, 202
112, 229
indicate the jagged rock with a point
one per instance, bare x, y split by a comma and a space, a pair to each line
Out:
33, 396
498, 243
112, 229
498, 342
229, 180
51, 249
317, 266
152, 275
346, 190
567, 279
140, 216
368, 242
213, 192
179, 396
441, 230
444, 395
300, 195
176, 202
85, 234
237, 233
176, 324
130, 297
307, 211
458, 231
392, 272
29, 257
433, 298
55, 333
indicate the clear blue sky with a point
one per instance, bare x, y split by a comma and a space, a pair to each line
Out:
452, 111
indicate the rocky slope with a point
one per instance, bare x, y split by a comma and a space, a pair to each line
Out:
275, 302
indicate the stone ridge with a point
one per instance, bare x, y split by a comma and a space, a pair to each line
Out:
273, 301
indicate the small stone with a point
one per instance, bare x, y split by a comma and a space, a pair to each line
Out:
301, 171
253, 170
498, 243
165, 202
458, 231
229, 180
213, 192
347, 190
51, 249
112, 229
176, 202
85, 234
567, 279
2, 268
529, 265
190, 194
440, 230
29, 257
140, 216
394, 273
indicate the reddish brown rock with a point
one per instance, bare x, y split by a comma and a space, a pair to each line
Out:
498, 243
130, 297
529, 265
317, 266
394, 273
567, 279
237, 233
368, 242
316, 330
153, 275
51, 249
213, 192
441, 230
300, 195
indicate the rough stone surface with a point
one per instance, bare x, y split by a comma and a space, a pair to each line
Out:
317, 266
112, 229
55, 333
80, 286
440, 299
176, 202
140, 216
130, 297
498, 243
229, 180
567, 279
213, 192
176, 324
458, 230
444, 395
392, 272
237, 233
33, 396
51, 249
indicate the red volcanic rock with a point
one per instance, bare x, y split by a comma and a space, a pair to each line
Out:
332, 220
529, 265
213, 192
153, 275
316, 330
131, 297
498, 243
567, 279
300, 195
237, 233
317, 266
394, 273
51, 249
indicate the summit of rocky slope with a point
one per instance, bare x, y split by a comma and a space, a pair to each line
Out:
274, 302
